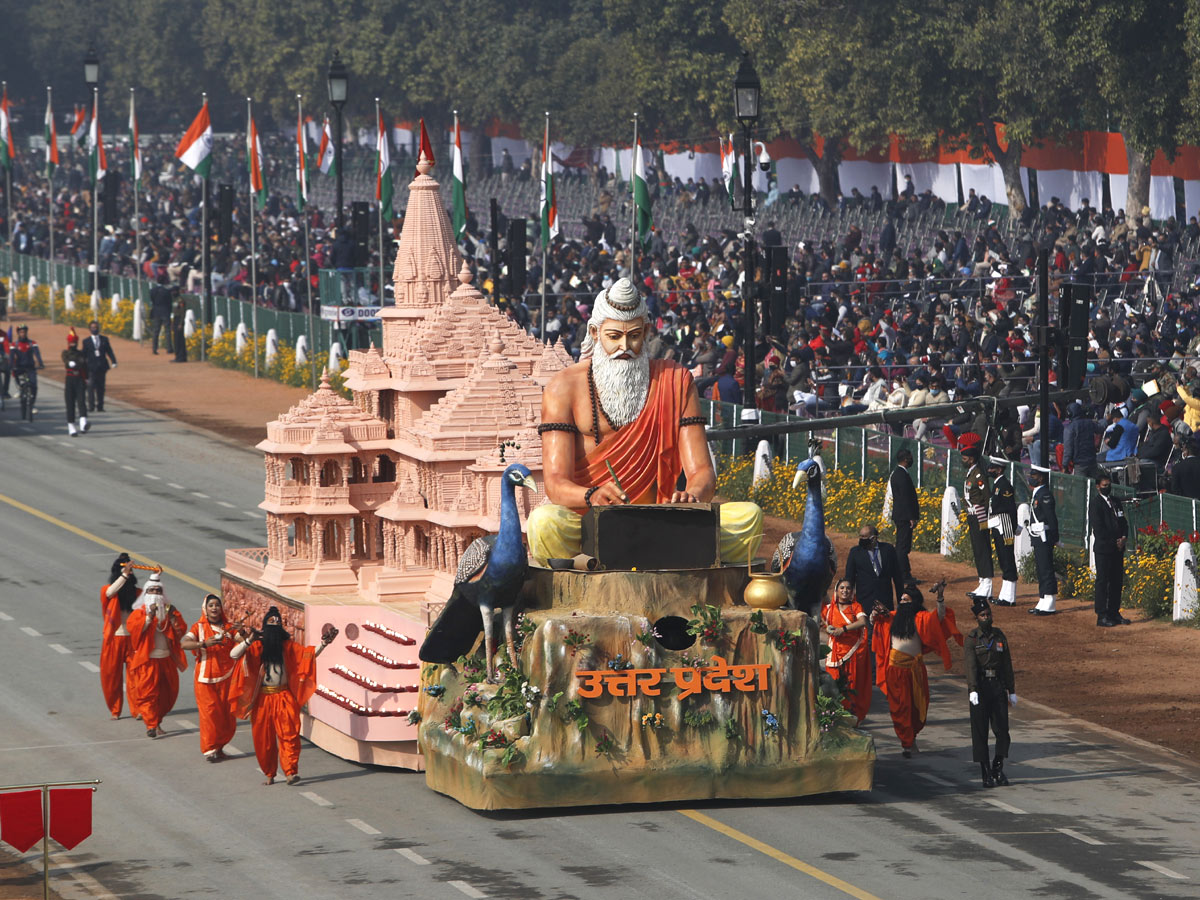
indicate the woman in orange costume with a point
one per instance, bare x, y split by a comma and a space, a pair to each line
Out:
846, 624
275, 679
211, 639
116, 603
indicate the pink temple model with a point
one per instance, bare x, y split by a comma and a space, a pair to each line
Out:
370, 503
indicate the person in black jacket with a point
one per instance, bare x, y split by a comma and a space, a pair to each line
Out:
1002, 522
1043, 529
1155, 448
1185, 476
873, 571
1110, 533
98, 353
160, 314
906, 510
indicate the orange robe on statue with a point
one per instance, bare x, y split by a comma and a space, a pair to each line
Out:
848, 654
645, 453
275, 712
114, 655
903, 678
154, 680
214, 671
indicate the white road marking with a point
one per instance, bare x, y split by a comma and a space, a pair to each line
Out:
137, 740
32, 632
5, 617
934, 779
59, 648
1070, 832
107, 459
1170, 873
1000, 804
412, 856
129, 468
48, 437
65, 444
313, 796
363, 826
90, 666
184, 724
178, 487
85, 450
250, 512
467, 889
200, 495
151, 477
226, 504
231, 750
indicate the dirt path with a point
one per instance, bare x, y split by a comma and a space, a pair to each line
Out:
1141, 679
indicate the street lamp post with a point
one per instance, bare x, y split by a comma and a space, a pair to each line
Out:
91, 75
746, 90
337, 81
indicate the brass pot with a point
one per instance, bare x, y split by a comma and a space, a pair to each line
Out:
766, 590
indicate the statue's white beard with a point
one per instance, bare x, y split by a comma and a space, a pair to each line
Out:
622, 385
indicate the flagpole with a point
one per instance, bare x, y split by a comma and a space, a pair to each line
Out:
547, 169
96, 197
50, 201
133, 170
379, 119
253, 237
203, 249
633, 229
312, 318
8, 222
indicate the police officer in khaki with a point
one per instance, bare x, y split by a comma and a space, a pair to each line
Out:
978, 492
988, 662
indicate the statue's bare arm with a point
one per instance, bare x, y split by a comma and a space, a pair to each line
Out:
697, 464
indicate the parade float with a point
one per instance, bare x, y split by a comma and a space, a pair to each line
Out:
646, 678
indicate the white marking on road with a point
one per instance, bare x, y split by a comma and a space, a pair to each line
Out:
5, 617
226, 504
85, 450
90, 666
88, 887
412, 856
231, 750
59, 648
137, 740
1000, 804
107, 459
129, 468
65, 444
251, 512
1070, 832
313, 796
1170, 873
32, 632
363, 826
178, 487
151, 477
467, 889
48, 437
934, 779
200, 495
184, 724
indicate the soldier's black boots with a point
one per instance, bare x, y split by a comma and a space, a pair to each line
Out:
998, 775
988, 780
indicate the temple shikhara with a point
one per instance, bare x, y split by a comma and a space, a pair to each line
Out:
370, 503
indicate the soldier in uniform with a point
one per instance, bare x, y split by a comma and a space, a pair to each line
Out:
977, 490
988, 661
1002, 523
1043, 528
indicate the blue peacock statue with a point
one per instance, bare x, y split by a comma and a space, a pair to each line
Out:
807, 556
490, 574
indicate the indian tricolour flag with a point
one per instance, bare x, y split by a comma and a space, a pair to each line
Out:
7, 148
254, 163
195, 150
458, 186
641, 193
51, 138
383, 165
301, 164
548, 205
135, 146
326, 157
97, 160
78, 131
729, 169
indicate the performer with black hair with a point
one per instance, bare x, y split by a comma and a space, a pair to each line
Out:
211, 639
988, 661
157, 659
116, 603
901, 641
275, 679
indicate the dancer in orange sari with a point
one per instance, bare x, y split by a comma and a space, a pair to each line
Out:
901, 641
116, 603
846, 624
156, 659
211, 639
